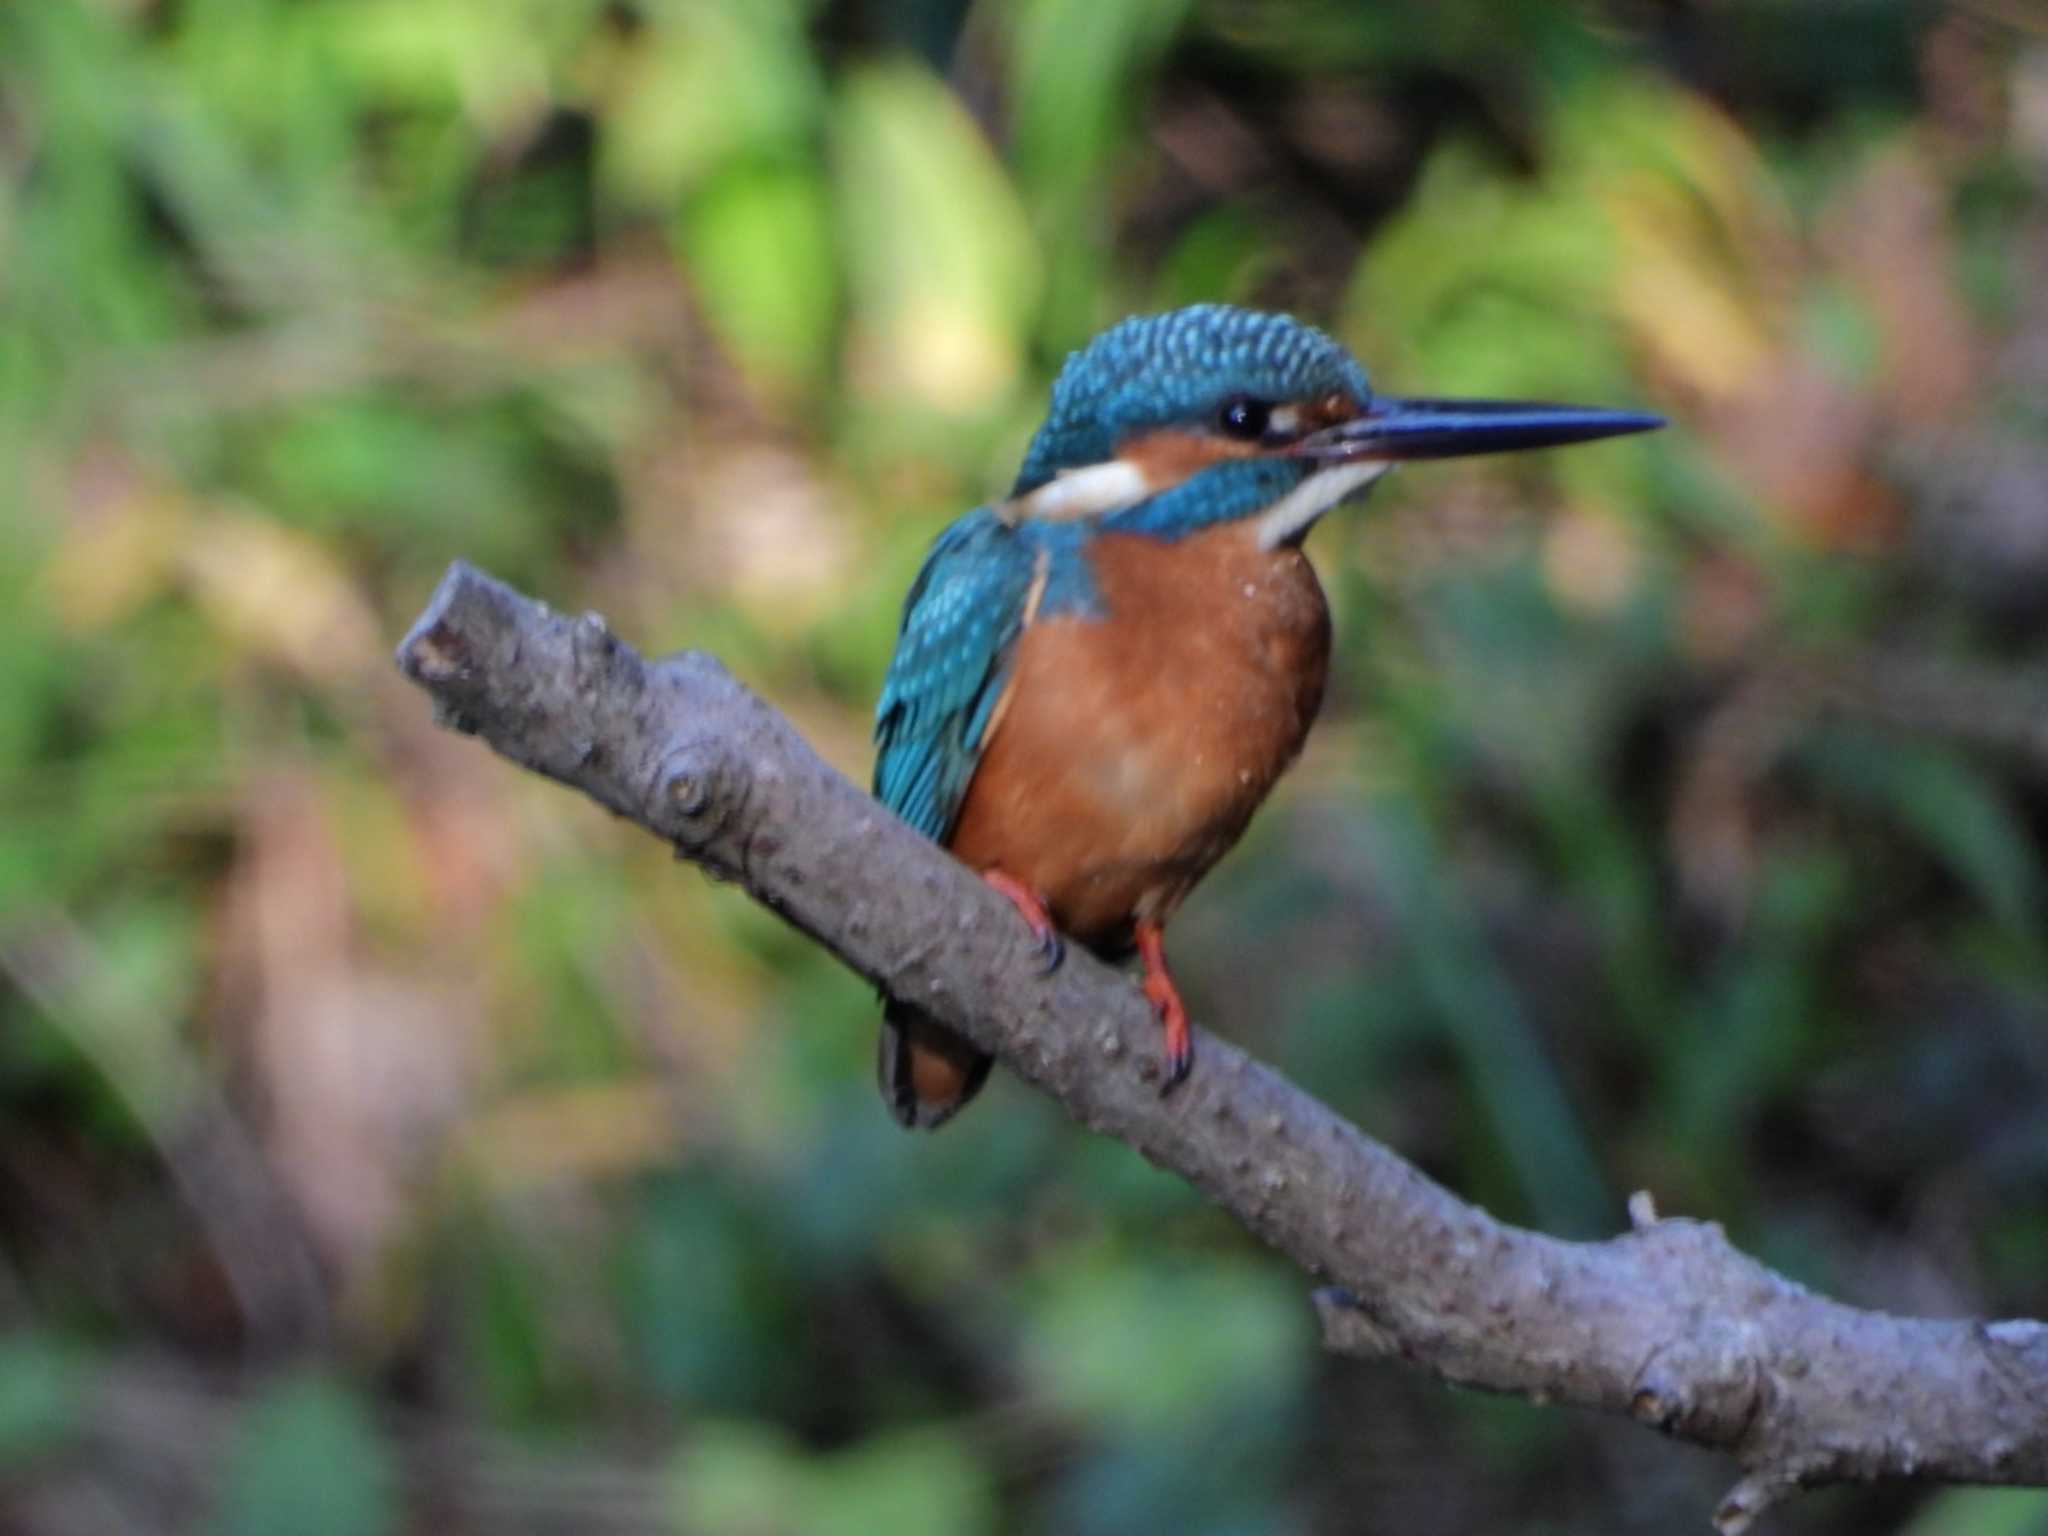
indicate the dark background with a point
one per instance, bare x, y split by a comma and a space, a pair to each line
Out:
391, 1142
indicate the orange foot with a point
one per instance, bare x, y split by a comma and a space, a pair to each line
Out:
1031, 907
1173, 1014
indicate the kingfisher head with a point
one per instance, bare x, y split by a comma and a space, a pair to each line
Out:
1169, 423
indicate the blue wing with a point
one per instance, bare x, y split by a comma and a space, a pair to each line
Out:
960, 627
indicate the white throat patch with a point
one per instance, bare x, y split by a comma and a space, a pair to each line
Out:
1289, 517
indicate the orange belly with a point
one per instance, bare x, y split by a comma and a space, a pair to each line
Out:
1130, 751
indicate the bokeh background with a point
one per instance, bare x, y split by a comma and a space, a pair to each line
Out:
391, 1142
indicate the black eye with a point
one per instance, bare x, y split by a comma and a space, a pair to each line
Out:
1245, 417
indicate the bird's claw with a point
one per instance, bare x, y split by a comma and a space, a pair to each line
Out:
1180, 1061
1052, 949
1178, 1040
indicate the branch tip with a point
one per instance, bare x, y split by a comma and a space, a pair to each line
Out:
436, 657
436, 652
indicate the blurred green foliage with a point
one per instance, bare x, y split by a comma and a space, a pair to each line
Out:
1676, 823
306, 1459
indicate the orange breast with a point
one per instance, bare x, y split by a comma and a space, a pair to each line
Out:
1131, 750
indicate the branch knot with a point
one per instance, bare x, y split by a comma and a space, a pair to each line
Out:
1709, 1387
689, 797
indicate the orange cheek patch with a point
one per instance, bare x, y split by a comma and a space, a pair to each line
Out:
1166, 458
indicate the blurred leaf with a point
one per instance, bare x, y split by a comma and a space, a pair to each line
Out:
758, 240
1223, 255
588, 1131
1214, 1479
115, 995
1981, 1512
1700, 234
852, 1175
502, 1319
910, 1483
497, 479
703, 84
109, 565
1075, 65
556, 938
1156, 1349
280, 595
1950, 805
1526, 266
1842, 334
42, 1396
1737, 1046
748, 1480
494, 57
737, 1479
710, 1298
308, 1460
1077, 71
1516, 1083
944, 268
1651, 209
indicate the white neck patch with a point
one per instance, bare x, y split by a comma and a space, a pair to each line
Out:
1289, 517
1086, 492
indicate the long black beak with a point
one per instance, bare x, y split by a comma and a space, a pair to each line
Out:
1447, 429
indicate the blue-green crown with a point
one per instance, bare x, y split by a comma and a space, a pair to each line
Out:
1155, 370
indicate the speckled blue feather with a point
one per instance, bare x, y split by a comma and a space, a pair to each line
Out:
1157, 370
960, 623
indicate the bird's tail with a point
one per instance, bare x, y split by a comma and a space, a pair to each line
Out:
926, 1071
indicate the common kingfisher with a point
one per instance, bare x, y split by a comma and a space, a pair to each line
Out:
1099, 678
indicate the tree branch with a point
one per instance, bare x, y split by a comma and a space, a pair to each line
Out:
1667, 1323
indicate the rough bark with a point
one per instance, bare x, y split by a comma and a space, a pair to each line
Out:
1667, 1323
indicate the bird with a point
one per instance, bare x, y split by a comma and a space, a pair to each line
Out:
1100, 676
